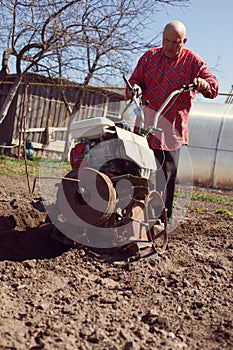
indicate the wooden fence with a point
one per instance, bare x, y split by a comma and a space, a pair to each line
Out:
39, 109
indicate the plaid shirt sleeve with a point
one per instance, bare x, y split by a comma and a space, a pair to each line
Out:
158, 76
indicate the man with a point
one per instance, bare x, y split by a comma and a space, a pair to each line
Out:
159, 72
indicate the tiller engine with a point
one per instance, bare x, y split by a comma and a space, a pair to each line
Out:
108, 199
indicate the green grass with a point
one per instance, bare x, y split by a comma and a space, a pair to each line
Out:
222, 200
14, 166
224, 212
208, 197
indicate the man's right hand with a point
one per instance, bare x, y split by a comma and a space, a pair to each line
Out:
136, 90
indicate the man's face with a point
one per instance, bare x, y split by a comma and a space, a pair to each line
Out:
172, 43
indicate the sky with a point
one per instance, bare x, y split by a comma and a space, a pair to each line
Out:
209, 30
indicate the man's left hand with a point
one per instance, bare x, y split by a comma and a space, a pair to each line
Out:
201, 84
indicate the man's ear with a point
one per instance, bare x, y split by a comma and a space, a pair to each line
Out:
185, 40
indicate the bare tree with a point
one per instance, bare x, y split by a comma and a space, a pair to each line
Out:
88, 40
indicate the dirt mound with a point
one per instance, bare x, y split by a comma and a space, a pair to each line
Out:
59, 297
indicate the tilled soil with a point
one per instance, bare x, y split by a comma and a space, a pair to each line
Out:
60, 297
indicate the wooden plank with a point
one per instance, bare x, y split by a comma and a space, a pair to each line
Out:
53, 129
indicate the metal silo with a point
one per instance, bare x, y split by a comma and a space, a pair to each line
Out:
208, 159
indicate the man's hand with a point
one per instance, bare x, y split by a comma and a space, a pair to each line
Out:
201, 84
136, 90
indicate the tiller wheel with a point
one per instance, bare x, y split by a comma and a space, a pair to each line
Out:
125, 215
149, 234
92, 198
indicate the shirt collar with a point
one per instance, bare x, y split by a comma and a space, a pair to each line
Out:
173, 58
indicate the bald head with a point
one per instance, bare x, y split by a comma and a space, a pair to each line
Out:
174, 38
176, 27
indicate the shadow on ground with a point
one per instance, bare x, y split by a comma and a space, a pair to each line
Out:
33, 243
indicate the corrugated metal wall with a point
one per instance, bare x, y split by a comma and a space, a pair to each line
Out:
208, 160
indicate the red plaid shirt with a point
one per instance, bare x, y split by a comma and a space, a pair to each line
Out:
158, 76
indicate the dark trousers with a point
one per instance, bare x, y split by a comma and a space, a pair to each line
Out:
167, 163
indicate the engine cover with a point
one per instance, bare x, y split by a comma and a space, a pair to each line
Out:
114, 149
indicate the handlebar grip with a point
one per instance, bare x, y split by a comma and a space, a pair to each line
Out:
190, 86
